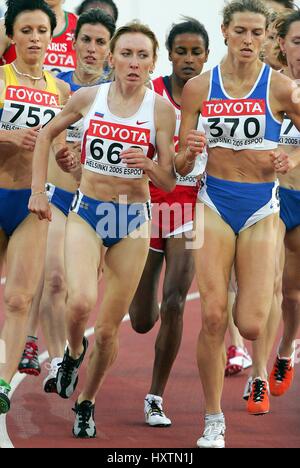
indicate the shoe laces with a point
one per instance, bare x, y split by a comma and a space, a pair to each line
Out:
30, 351
67, 366
84, 413
281, 368
155, 408
259, 390
214, 429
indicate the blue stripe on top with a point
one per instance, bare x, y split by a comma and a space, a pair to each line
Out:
260, 91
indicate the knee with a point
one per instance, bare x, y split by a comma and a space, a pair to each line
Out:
215, 323
105, 335
55, 283
17, 302
142, 326
252, 330
250, 333
172, 308
79, 307
143, 318
214, 316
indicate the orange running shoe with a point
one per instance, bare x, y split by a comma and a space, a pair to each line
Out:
282, 375
258, 402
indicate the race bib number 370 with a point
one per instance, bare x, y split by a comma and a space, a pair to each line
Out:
104, 143
27, 108
236, 123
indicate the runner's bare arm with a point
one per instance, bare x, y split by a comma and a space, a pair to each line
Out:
69, 115
191, 141
64, 95
163, 174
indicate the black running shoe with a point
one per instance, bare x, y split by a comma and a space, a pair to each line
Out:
84, 426
67, 375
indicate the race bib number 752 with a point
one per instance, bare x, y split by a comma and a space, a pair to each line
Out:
27, 108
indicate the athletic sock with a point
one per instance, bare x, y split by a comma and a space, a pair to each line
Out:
219, 417
150, 396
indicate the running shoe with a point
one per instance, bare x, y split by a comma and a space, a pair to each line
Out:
5, 388
84, 426
154, 415
29, 363
247, 390
259, 402
67, 375
213, 435
49, 383
237, 360
282, 374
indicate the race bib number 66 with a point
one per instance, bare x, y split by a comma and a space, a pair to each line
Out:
104, 143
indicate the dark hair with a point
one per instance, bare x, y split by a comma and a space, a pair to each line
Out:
96, 16
85, 5
135, 27
15, 7
241, 6
189, 25
282, 26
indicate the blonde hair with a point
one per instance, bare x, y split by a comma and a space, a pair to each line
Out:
135, 27
241, 6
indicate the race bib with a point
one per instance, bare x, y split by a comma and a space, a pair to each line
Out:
237, 124
26, 108
187, 181
289, 135
75, 132
60, 57
104, 143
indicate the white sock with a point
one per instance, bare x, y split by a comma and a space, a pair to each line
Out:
219, 417
153, 397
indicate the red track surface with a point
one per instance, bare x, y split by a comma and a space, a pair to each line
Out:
40, 420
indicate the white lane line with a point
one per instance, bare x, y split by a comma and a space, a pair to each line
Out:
5, 441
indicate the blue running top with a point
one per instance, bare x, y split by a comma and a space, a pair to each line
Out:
240, 123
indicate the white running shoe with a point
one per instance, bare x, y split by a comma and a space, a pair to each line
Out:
49, 384
154, 415
213, 435
247, 360
238, 359
248, 388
